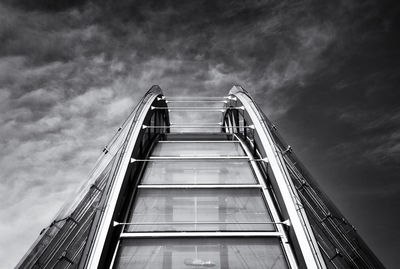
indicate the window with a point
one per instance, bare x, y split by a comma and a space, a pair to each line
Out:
190, 149
183, 253
199, 172
199, 210
163, 225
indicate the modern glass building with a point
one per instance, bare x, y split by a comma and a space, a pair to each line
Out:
199, 183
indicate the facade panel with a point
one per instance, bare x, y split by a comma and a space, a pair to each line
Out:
230, 253
199, 172
196, 149
199, 210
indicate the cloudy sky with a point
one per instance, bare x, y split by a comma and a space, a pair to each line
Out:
326, 72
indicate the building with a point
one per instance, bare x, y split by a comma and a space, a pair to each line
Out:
223, 194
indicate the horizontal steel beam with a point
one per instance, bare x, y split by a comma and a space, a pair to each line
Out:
195, 126
209, 98
189, 158
201, 234
191, 108
196, 101
198, 186
198, 141
287, 223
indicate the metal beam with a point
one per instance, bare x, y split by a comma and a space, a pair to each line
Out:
104, 225
193, 126
200, 108
201, 234
198, 141
308, 246
200, 186
196, 101
286, 223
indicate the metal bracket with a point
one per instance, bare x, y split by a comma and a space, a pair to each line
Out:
287, 150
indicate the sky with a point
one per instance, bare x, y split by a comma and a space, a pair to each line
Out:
325, 72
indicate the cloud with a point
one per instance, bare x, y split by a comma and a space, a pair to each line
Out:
379, 134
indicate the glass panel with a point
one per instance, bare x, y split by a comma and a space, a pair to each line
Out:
199, 210
199, 172
193, 118
186, 149
183, 253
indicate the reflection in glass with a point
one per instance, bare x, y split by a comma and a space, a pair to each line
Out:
187, 149
199, 172
227, 253
199, 210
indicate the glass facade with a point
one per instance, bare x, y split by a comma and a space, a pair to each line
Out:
199, 172
197, 149
232, 253
199, 210
192, 114
231, 202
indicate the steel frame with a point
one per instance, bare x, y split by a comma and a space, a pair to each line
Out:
97, 247
304, 234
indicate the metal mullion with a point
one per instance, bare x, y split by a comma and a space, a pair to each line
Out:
82, 211
131, 203
192, 126
199, 234
332, 238
198, 98
198, 141
300, 225
115, 253
73, 239
77, 253
59, 245
325, 211
199, 107
230, 125
199, 186
198, 124
196, 222
196, 110
301, 178
196, 101
189, 158
275, 216
196, 158
97, 246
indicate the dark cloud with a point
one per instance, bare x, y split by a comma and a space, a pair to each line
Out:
327, 73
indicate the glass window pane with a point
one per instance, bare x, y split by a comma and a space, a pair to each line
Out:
183, 253
209, 118
199, 210
199, 172
185, 149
